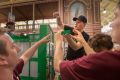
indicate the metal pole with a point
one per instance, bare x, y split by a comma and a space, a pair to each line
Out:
33, 26
11, 6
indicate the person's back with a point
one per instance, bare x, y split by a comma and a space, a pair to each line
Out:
93, 67
102, 66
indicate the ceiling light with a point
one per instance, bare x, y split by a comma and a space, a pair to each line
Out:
104, 11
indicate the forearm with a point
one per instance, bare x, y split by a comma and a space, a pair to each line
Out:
58, 56
72, 43
87, 48
59, 22
30, 52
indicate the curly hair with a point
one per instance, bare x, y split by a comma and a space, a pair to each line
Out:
101, 42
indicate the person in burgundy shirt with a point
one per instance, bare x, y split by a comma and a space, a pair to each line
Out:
10, 65
101, 42
26, 56
102, 66
97, 43
18, 70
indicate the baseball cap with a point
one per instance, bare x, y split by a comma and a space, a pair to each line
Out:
81, 18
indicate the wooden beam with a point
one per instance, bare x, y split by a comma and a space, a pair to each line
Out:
20, 12
14, 2
4, 12
33, 26
23, 2
40, 12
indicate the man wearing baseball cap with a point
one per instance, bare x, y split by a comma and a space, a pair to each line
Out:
80, 18
75, 49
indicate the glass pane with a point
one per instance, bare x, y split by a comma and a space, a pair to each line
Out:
39, 21
23, 46
36, 53
34, 69
46, 21
25, 71
3, 24
52, 20
30, 22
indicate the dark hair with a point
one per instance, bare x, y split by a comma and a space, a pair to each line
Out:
10, 25
2, 47
100, 42
81, 18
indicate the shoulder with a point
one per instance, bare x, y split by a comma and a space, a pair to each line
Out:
89, 60
19, 66
20, 62
93, 62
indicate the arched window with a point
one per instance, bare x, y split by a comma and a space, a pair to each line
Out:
76, 10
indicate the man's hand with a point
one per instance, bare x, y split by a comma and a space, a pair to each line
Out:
59, 21
78, 36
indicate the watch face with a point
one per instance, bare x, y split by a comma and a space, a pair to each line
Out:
77, 9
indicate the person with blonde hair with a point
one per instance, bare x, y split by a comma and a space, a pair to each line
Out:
10, 65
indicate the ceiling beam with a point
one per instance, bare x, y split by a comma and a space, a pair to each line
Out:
4, 18
23, 2
40, 12
21, 13
14, 2
4, 12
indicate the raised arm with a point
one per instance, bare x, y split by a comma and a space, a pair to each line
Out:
72, 43
30, 52
59, 21
58, 55
80, 38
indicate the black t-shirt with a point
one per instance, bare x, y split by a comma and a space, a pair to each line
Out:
72, 54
